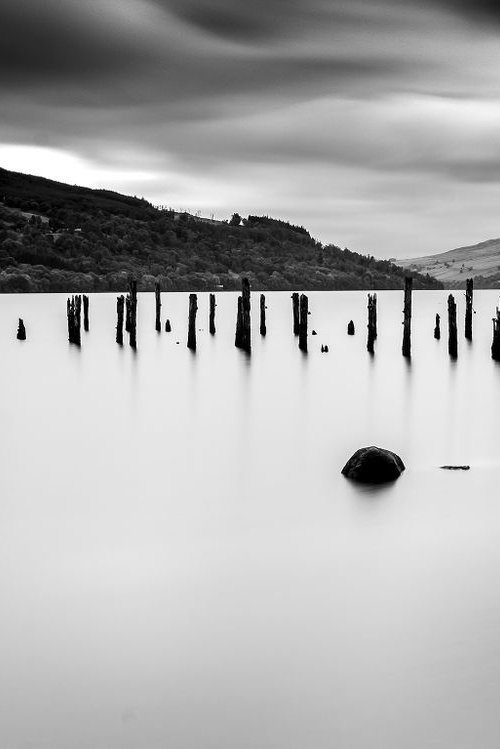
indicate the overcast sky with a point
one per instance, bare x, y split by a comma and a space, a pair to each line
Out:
373, 123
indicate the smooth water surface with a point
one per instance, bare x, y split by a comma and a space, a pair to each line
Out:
183, 565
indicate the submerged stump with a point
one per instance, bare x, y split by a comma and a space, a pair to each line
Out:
263, 328
243, 332
437, 328
406, 349
120, 305
469, 293
350, 328
495, 346
211, 315
452, 327
296, 313
21, 330
158, 307
372, 322
304, 311
85, 313
193, 307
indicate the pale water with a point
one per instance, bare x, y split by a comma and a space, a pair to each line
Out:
182, 565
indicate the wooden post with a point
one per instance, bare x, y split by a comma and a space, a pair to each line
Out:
168, 327
127, 314
243, 331
437, 329
211, 317
120, 304
193, 306
407, 318
85, 313
158, 306
452, 327
296, 313
372, 321
133, 313
469, 292
495, 346
350, 328
73, 309
263, 329
21, 331
303, 310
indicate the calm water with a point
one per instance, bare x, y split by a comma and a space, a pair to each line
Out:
184, 567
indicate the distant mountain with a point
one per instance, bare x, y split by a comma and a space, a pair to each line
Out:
479, 261
58, 237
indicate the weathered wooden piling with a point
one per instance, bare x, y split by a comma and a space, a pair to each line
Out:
296, 313
437, 328
350, 328
127, 314
158, 306
21, 330
495, 346
211, 315
263, 329
303, 310
407, 317
120, 304
452, 327
133, 313
243, 331
168, 327
372, 321
193, 307
85, 313
73, 310
469, 293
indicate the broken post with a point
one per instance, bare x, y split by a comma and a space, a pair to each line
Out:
127, 315
263, 329
168, 327
21, 331
452, 327
296, 313
495, 346
243, 332
193, 306
407, 317
303, 310
133, 313
211, 316
158, 306
437, 329
350, 328
85, 313
73, 310
469, 292
372, 321
120, 304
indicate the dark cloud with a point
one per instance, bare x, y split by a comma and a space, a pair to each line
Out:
359, 97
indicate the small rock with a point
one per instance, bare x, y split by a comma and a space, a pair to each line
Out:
373, 465
168, 327
314, 333
350, 328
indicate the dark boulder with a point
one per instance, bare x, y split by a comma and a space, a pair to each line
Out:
373, 465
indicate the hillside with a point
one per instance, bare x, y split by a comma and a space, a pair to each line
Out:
480, 261
58, 237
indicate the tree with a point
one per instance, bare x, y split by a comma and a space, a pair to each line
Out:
235, 220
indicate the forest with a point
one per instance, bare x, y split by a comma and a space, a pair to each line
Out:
58, 237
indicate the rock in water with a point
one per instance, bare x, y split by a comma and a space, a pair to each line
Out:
373, 465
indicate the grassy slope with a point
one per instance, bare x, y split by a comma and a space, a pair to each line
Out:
480, 261
58, 237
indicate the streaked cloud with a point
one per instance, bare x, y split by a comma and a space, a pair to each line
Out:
345, 116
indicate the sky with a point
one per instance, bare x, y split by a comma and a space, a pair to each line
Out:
373, 123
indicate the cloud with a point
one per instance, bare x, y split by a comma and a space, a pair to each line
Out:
319, 110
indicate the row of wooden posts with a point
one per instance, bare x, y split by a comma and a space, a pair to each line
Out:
126, 308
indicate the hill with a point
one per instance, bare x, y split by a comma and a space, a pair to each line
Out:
58, 237
479, 261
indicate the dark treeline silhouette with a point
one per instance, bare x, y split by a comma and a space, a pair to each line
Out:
56, 237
